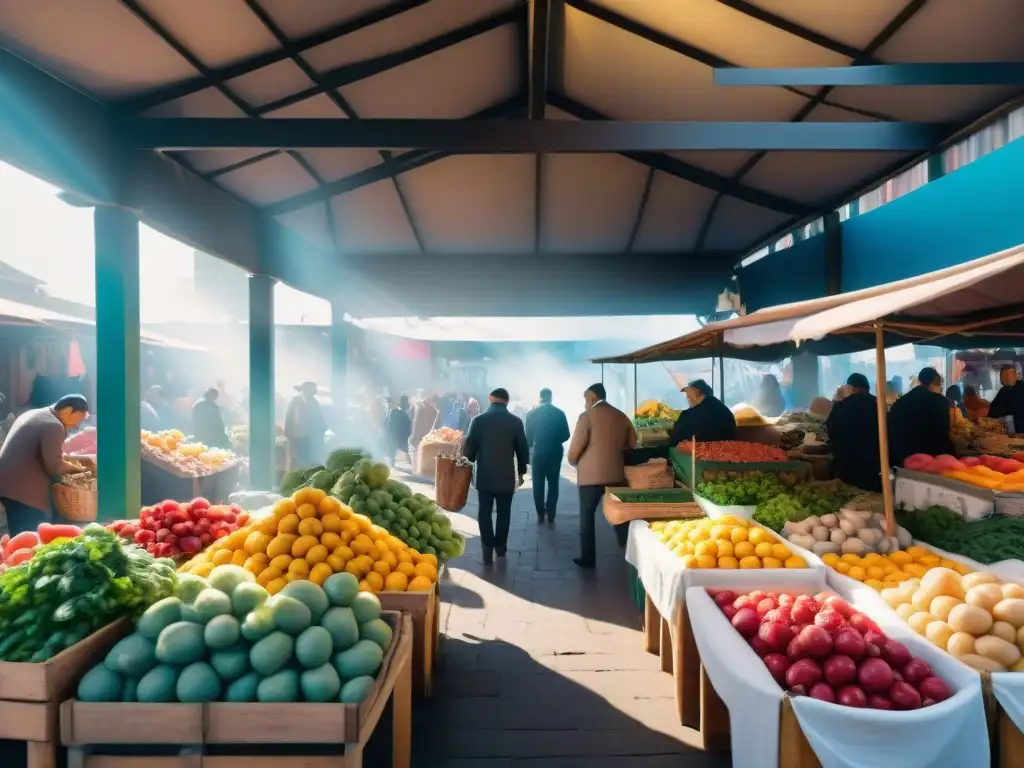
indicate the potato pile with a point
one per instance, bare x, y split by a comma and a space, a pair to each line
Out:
975, 617
850, 532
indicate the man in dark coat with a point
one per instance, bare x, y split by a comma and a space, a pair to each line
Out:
707, 418
1009, 400
546, 431
207, 422
919, 420
497, 444
853, 435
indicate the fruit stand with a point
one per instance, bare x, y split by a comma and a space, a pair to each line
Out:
223, 734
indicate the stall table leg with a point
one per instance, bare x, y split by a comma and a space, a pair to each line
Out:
652, 627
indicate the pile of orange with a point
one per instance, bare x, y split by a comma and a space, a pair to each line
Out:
312, 535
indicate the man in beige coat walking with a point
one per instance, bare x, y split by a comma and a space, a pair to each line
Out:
602, 433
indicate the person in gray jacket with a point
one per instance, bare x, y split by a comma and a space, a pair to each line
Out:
32, 458
496, 442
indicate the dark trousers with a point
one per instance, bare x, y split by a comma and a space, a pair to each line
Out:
590, 499
22, 517
546, 471
489, 536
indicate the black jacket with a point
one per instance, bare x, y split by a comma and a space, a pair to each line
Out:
919, 423
1009, 401
853, 435
399, 427
497, 443
710, 419
546, 431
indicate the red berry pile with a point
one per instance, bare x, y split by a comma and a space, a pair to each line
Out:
820, 646
181, 529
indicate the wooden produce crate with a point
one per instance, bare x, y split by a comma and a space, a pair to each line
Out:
617, 511
160, 481
701, 711
223, 735
425, 610
31, 694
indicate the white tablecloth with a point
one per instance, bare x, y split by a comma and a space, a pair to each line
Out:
951, 733
914, 493
715, 511
666, 580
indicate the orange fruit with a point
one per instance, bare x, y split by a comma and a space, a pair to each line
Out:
303, 544
329, 506
396, 582
316, 554
337, 562
332, 523
375, 580
354, 567
318, 573
428, 558
728, 562
306, 511
382, 567
331, 540
404, 556
314, 496
362, 544
288, 524
420, 584
751, 561
222, 557
281, 562
238, 557
276, 585
284, 507
796, 562
407, 569
364, 587
427, 570
310, 526
763, 549
345, 553
267, 575
299, 569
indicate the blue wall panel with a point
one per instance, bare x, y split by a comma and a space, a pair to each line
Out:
794, 274
972, 212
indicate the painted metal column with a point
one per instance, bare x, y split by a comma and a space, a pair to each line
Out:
833, 253
262, 453
339, 368
116, 237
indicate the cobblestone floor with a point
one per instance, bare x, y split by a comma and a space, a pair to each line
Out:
542, 664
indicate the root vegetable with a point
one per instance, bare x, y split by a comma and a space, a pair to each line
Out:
870, 536
874, 676
803, 540
820, 533
830, 521
836, 536
981, 663
935, 688
960, 644
919, 622
975, 621
905, 696
847, 527
877, 701
822, 692
839, 670
896, 653
939, 633
805, 672
1012, 590
1004, 631
984, 596
849, 642
903, 537
825, 547
852, 696
943, 581
997, 650
1010, 610
972, 580
854, 547
915, 670
941, 606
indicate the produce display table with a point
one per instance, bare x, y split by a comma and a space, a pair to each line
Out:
223, 735
424, 608
666, 626
159, 483
951, 733
618, 508
918, 490
692, 472
31, 694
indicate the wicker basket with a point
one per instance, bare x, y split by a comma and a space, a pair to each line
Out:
79, 505
651, 475
451, 483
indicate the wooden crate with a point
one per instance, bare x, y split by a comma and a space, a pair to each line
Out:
30, 694
221, 735
425, 610
701, 711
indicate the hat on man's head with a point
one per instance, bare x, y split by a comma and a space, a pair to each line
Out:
499, 395
598, 390
307, 387
701, 386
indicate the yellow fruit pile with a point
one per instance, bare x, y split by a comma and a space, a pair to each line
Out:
726, 542
881, 571
311, 536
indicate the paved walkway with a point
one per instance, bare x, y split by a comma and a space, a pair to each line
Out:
542, 664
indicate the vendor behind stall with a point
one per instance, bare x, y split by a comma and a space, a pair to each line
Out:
32, 457
919, 420
1009, 400
853, 435
707, 418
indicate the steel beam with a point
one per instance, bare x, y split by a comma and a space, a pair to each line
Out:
398, 165
174, 91
515, 136
557, 284
962, 73
360, 70
56, 133
262, 446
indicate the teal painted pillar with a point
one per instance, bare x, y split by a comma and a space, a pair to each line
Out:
262, 453
116, 236
806, 378
833, 253
339, 369
936, 166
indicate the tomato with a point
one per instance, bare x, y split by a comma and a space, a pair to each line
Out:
200, 503
205, 538
242, 518
220, 533
202, 526
145, 536
169, 506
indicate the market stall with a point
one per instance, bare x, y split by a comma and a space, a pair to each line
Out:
942, 605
